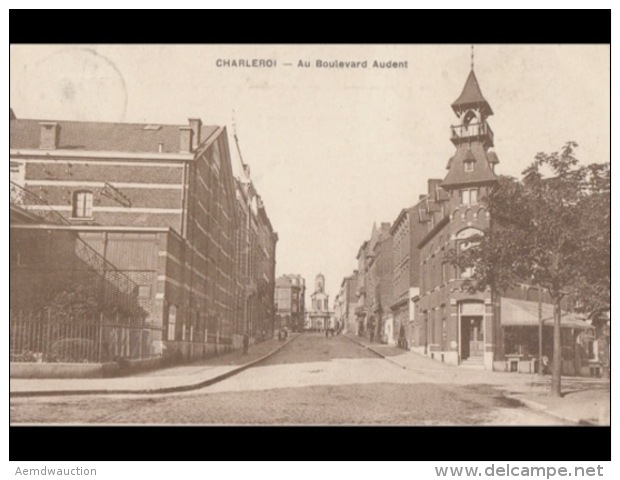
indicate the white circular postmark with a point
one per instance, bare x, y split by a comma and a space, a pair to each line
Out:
76, 83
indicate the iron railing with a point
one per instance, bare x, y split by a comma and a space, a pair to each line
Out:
120, 289
42, 337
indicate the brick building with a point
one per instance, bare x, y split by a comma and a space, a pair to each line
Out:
361, 308
406, 232
159, 202
290, 301
345, 304
256, 259
381, 272
458, 326
455, 325
374, 289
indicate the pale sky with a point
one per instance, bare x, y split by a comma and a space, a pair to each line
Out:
331, 150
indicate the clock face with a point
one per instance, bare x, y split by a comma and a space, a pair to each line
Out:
74, 83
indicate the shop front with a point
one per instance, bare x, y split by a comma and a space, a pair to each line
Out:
522, 336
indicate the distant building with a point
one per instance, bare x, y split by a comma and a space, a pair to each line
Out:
345, 304
255, 260
318, 317
290, 301
362, 311
381, 274
375, 286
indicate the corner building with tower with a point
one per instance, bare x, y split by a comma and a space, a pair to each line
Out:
457, 326
481, 329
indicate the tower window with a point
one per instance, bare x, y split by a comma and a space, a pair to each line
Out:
83, 204
469, 196
469, 166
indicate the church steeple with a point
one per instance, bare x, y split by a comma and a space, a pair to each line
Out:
473, 137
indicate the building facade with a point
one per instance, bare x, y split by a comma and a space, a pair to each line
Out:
345, 304
481, 329
256, 244
459, 326
318, 317
380, 278
290, 301
160, 204
362, 311
406, 232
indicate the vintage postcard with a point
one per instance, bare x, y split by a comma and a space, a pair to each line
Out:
310, 234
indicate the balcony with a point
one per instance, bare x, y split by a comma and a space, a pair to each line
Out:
473, 131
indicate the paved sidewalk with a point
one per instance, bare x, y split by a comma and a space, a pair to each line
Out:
586, 400
167, 380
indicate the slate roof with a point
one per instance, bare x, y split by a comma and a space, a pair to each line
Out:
103, 136
471, 96
482, 168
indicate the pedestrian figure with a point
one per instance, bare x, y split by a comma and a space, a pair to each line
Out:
327, 333
246, 343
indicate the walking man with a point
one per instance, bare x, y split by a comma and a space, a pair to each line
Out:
246, 343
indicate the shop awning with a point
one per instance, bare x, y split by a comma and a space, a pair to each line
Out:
524, 313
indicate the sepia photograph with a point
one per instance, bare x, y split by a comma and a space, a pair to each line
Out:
310, 235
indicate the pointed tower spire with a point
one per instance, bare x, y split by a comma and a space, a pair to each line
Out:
472, 162
471, 97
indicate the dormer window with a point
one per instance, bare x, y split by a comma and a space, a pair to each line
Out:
469, 166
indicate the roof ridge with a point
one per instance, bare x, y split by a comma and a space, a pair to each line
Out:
108, 122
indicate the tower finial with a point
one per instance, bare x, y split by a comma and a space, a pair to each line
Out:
472, 57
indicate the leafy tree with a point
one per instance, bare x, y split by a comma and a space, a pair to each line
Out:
550, 229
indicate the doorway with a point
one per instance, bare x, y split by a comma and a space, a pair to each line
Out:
472, 336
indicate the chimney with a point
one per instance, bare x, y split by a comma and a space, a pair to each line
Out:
422, 196
50, 131
196, 125
433, 183
186, 139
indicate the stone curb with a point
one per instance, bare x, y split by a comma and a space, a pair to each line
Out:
379, 354
531, 404
544, 409
178, 388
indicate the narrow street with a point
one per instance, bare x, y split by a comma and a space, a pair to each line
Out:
313, 380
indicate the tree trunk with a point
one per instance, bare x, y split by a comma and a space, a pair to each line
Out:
556, 379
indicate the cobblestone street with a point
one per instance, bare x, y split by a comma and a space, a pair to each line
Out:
313, 380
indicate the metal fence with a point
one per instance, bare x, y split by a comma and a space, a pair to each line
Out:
40, 338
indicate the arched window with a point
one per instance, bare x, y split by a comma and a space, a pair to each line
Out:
464, 241
470, 117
